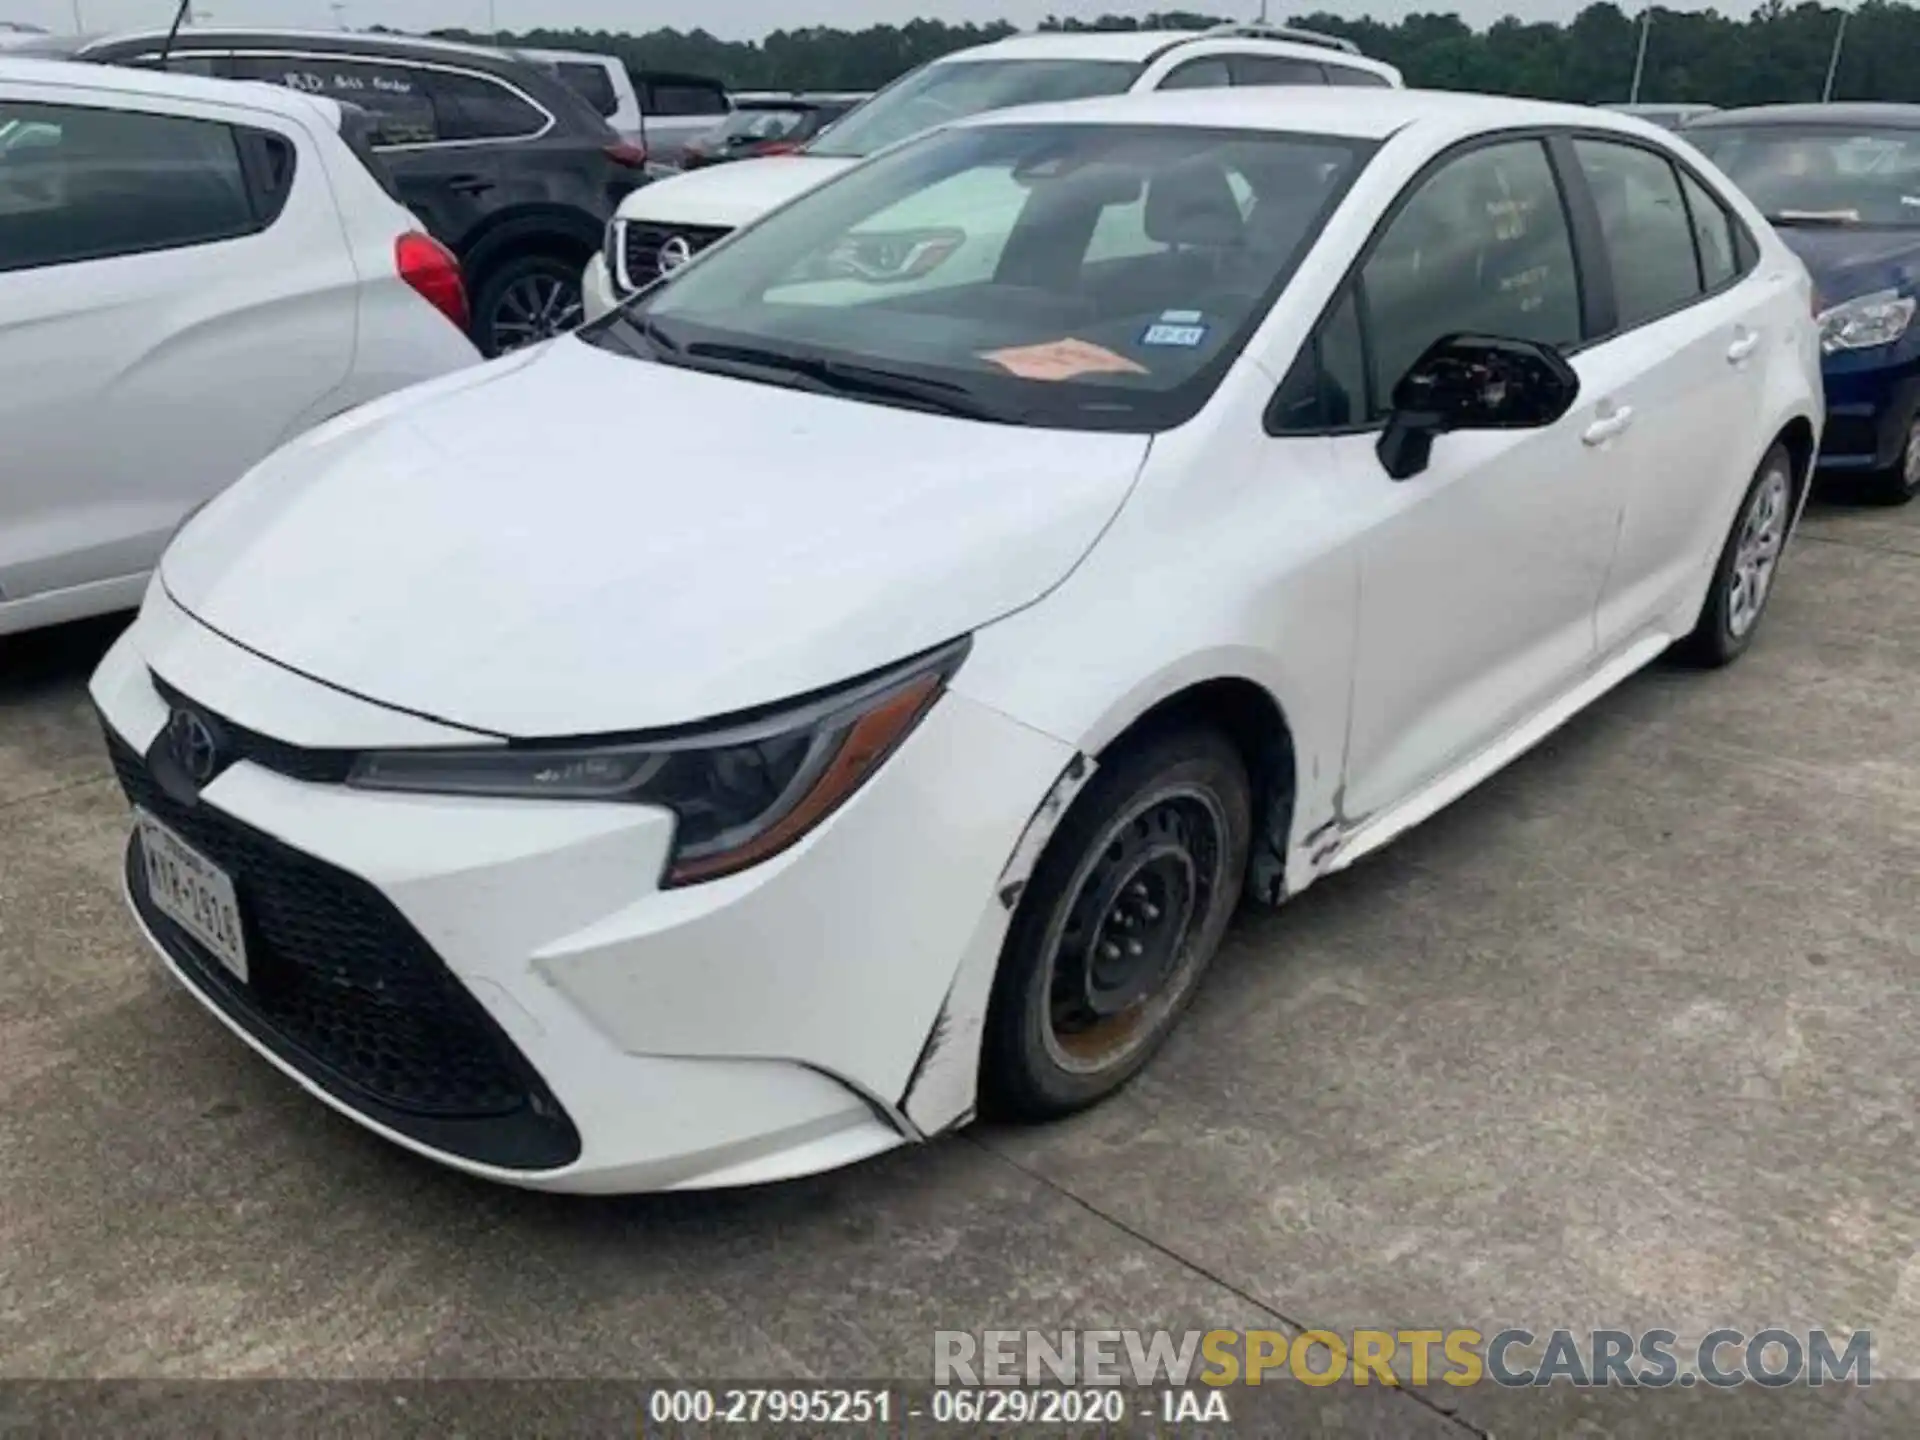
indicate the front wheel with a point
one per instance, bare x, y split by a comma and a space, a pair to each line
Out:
1900, 483
525, 300
1743, 581
1119, 921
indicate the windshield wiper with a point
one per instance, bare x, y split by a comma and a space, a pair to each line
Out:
942, 396
638, 334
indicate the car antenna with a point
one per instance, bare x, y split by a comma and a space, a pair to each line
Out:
179, 19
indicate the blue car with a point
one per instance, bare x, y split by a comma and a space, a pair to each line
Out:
1841, 183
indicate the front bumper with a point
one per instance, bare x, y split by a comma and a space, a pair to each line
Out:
597, 291
770, 1024
1870, 407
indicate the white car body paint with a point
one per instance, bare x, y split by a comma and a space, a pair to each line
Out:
978, 520
828, 1002
134, 387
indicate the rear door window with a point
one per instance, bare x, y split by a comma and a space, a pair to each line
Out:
1209, 73
1354, 75
1275, 70
394, 96
78, 183
179, 64
1649, 234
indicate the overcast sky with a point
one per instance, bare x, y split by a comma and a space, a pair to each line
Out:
734, 19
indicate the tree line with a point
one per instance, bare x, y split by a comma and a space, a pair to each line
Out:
1776, 54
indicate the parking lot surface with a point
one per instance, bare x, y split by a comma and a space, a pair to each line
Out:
1625, 1038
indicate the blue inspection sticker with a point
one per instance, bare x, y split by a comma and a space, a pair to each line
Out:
1185, 336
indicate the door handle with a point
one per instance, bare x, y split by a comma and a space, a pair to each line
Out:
1608, 425
1745, 345
469, 184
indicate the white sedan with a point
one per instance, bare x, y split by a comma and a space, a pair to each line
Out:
895, 737
192, 272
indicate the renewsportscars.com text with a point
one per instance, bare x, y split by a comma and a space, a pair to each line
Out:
1512, 1357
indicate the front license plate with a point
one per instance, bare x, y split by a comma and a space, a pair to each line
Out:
193, 892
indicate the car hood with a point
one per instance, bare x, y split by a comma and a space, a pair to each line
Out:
1848, 263
571, 542
732, 194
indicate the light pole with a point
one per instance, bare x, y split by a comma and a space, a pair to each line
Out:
79, 20
1640, 56
1833, 60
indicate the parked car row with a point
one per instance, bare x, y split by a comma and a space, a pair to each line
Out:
661, 229
192, 273
658, 110
1145, 482
505, 164
1255, 473
1841, 185
757, 128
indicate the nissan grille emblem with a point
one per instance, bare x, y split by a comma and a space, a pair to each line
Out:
194, 745
675, 253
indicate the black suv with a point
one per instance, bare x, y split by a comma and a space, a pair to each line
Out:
502, 161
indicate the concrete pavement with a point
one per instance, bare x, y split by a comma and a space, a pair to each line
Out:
1626, 1038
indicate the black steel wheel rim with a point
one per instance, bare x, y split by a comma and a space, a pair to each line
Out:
1125, 950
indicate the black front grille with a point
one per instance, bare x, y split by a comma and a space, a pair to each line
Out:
296, 762
342, 988
643, 241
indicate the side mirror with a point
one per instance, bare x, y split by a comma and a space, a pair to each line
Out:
1473, 382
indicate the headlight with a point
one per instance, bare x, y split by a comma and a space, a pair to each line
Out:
1877, 319
740, 791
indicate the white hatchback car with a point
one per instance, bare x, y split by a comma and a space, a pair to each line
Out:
192, 272
660, 227
900, 737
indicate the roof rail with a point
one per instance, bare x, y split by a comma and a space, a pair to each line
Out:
1254, 30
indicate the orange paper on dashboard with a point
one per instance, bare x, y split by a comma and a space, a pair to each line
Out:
1062, 360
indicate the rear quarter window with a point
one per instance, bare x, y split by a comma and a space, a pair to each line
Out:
1354, 75
593, 84
683, 99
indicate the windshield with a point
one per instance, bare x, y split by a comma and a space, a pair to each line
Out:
1821, 175
1082, 276
761, 122
954, 89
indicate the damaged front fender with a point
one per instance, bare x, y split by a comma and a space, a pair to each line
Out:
941, 1091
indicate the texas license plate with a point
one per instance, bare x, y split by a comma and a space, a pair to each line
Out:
193, 892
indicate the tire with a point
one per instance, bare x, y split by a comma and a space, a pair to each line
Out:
1900, 482
526, 299
1749, 563
1148, 865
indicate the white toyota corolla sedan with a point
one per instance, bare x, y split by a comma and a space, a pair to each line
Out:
893, 732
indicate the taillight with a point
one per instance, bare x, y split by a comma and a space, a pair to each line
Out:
429, 267
633, 157
778, 147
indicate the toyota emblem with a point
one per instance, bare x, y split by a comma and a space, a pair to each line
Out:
194, 746
675, 253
